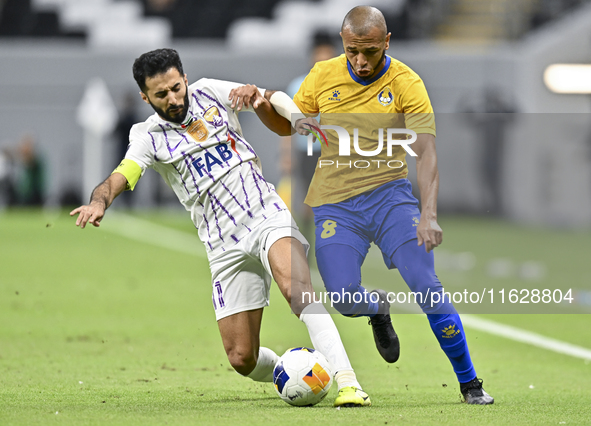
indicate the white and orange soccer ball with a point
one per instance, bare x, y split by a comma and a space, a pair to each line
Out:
302, 376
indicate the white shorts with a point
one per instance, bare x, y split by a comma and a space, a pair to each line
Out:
241, 276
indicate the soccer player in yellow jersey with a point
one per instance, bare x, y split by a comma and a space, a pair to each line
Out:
360, 194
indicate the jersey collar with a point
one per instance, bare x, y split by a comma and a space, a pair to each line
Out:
371, 80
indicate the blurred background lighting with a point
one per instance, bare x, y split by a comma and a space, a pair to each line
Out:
568, 78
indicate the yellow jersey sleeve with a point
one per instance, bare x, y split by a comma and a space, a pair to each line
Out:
132, 172
305, 98
416, 106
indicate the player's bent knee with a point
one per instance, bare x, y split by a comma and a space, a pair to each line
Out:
242, 361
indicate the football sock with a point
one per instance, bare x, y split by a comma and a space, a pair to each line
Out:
326, 339
417, 267
340, 268
263, 372
346, 378
450, 333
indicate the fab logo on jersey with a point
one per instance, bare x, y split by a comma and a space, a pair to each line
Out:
207, 161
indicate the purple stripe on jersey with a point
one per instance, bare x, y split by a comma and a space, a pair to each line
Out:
182, 179
182, 136
234, 238
249, 230
215, 215
166, 139
277, 205
240, 139
261, 178
211, 98
218, 286
154, 146
207, 227
198, 103
244, 189
222, 207
189, 166
257, 185
237, 202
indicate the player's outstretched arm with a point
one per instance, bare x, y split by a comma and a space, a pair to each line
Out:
101, 198
428, 232
245, 96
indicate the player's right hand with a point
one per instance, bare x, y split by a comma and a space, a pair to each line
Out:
92, 213
246, 96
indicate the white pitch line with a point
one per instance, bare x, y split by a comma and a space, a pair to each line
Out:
183, 242
524, 336
152, 233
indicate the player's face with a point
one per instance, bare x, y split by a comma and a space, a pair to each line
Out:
365, 53
168, 95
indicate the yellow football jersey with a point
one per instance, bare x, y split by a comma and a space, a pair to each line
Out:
395, 98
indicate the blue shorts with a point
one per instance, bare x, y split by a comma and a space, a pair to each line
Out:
387, 216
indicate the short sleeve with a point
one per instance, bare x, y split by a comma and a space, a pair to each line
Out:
139, 150
416, 106
222, 90
305, 98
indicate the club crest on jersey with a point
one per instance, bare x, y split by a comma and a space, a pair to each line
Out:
198, 131
212, 116
385, 97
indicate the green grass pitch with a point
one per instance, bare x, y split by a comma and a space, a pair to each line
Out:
96, 328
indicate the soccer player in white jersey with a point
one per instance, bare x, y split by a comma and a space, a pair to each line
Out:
195, 142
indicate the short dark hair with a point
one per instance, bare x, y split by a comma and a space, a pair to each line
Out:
155, 62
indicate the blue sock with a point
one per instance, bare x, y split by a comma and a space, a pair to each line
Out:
340, 268
450, 333
417, 267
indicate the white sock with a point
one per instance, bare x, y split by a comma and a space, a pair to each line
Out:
263, 372
326, 339
346, 378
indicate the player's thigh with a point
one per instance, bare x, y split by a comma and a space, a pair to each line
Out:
240, 282
397, 226
340, 267
282, 250
289, 267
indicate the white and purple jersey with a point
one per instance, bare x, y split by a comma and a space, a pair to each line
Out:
212, 169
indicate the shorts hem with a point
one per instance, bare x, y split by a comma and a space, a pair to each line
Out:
241, 309
316, 248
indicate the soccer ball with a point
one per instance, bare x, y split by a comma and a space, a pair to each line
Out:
302, 376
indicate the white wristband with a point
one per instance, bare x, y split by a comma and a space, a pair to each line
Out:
285, 107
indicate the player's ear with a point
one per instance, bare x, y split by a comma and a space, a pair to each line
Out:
387, 44
144, 98
186, 81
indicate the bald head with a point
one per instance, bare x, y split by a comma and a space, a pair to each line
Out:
362, 19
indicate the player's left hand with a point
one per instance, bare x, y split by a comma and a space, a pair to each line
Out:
304, 125
429, 233
245, 96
